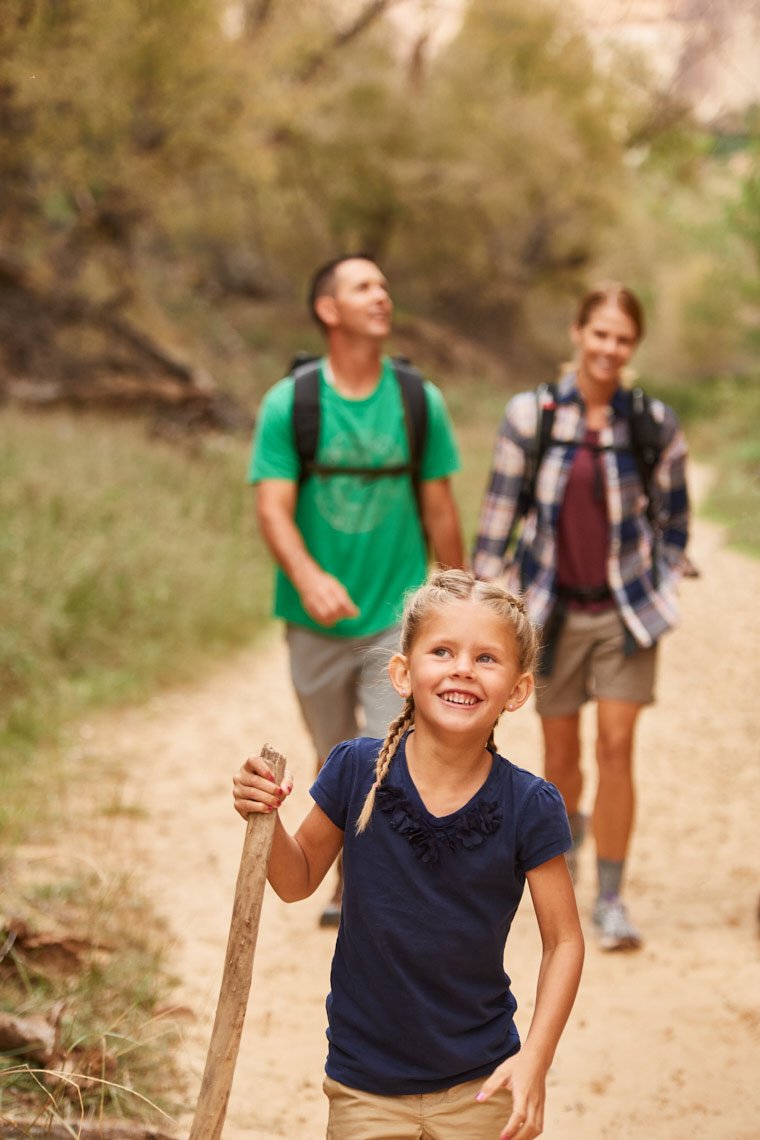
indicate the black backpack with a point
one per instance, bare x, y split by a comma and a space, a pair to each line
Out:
646, 444
307, 413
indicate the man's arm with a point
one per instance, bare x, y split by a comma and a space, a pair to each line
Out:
440, 519
324, 598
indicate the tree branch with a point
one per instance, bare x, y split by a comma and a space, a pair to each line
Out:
256, 13
368, 16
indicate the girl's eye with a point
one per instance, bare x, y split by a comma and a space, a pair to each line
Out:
440, 651
486, 657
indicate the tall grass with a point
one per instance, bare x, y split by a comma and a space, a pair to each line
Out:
105, 986
125, 562
721, 418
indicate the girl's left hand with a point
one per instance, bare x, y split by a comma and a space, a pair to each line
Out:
527, 1083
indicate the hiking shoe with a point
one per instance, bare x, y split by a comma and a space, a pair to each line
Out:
615, 929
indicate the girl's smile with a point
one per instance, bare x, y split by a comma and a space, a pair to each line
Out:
457, 698
462, 669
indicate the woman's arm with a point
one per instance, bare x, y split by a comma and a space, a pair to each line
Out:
670, 493
558, 979
298, 863
498, 512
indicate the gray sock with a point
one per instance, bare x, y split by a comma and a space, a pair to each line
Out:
610, 874
577, 827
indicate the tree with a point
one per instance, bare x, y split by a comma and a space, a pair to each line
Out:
522, 147
112, 114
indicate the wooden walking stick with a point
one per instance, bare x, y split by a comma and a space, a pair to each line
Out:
238, 969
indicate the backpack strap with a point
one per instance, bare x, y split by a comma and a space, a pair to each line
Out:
646, 445
412, 385
645, 438
306, 411
546, 404
305, 370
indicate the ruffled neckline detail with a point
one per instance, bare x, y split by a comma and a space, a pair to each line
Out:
467, 830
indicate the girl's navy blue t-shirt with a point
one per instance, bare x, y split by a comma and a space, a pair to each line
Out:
419, 999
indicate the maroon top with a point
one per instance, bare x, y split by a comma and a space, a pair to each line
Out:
583, 531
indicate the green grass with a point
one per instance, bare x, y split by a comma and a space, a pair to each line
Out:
476, 410
721, 418
111, 994
126, 562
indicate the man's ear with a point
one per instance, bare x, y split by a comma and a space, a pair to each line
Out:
398, 671
521, 692
326, 310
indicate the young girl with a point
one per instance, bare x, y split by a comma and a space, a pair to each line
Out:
438, 834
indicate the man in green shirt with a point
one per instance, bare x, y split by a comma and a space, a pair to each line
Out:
349, 547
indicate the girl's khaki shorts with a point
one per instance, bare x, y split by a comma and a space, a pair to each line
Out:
453, 1114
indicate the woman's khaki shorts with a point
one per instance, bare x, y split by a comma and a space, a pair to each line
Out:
589, 664
453, 1114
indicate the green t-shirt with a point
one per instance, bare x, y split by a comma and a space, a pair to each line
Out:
366, 532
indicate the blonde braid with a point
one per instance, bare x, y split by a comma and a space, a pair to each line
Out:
396, 730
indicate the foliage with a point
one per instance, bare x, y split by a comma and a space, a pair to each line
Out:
744, 220
474, 193
158, 156
115, 552
100, 979
721, 416
153, 140
515, 173
111, 112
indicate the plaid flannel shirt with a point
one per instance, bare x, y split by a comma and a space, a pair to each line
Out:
647, 604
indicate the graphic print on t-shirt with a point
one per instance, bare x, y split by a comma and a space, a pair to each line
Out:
355, 504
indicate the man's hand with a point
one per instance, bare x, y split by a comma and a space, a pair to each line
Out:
324, 598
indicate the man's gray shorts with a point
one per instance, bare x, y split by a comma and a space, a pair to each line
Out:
342, 684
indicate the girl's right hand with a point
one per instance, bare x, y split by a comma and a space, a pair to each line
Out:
254, 788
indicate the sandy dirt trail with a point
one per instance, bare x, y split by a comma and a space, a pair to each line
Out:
663, 1044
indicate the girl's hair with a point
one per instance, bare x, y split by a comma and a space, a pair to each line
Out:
442, 587
612, 293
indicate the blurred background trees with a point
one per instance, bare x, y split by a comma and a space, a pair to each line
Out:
160, 157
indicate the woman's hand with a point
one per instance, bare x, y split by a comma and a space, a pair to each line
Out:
254, 788
527, 1083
